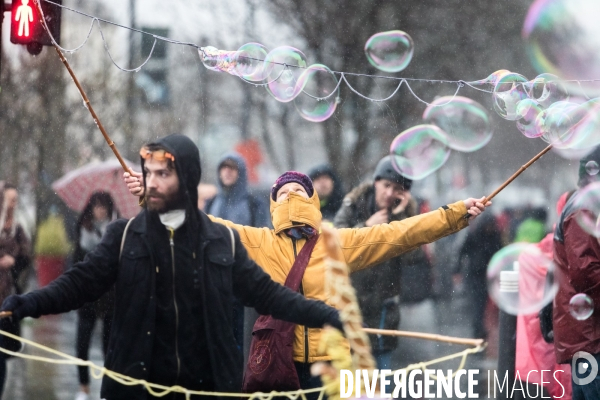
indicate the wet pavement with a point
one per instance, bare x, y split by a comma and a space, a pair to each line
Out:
28, 380
38, 380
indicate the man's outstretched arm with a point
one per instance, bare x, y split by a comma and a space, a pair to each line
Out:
85, 282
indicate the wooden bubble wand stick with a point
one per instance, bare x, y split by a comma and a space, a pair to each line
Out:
86, 101
514, 176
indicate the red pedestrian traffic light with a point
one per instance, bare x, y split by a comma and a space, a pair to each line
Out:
25, 25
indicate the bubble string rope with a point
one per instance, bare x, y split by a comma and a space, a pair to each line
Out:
342, 75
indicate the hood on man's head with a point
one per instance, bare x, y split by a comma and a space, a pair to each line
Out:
237, 161
187, 163
584, 177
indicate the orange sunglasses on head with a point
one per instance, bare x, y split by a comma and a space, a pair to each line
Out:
157, 155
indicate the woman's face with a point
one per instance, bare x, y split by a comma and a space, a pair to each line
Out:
11, 197
286, 189
100, 213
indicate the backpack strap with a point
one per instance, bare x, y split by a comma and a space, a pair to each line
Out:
232, 241
123, 238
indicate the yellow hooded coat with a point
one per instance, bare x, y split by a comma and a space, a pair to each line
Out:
275, 251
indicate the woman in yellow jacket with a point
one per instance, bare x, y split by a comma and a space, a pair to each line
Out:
295, 215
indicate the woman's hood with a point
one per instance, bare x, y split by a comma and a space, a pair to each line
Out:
296, 210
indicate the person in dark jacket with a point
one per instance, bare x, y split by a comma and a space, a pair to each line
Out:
577, 259
387, 198
329, 188
15, 256
91, 226
233, 202
175, 273
482, 242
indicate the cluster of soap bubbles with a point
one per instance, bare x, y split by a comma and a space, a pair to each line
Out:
284, 72
451, 123
544, 108
521, 279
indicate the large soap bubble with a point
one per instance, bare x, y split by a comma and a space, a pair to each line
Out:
284, 66
320, 82
389, 51
547, 89
521, 279
561, 38
510, 89
419, 151
528, 110
250, 62
464, 120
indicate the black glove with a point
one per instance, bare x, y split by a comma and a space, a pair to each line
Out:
21, 306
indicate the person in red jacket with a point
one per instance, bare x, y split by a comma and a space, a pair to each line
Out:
577, 258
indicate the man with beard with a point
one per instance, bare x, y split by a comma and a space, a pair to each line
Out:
175, 273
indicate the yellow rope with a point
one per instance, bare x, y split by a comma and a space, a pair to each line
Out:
160, 391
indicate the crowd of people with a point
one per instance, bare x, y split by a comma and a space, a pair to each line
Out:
181, 285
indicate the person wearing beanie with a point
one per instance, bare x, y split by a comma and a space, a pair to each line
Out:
296, 218
329, 188
174, 272
577, 260
384, 199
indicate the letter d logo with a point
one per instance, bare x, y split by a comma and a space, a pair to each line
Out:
582, 364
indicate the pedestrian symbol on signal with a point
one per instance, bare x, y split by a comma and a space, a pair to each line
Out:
24, 16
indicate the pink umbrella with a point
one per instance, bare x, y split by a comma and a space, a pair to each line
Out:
76, 187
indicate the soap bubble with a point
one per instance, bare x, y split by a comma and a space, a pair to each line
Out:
547, 89
389, 51
520, 279
587, 202
581, 306
419, 151
317, 81
465, 121
283, 67
560, 124
510, 89
493, 78
528, 110
561, 38
592, 168
250, 62
217, 60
